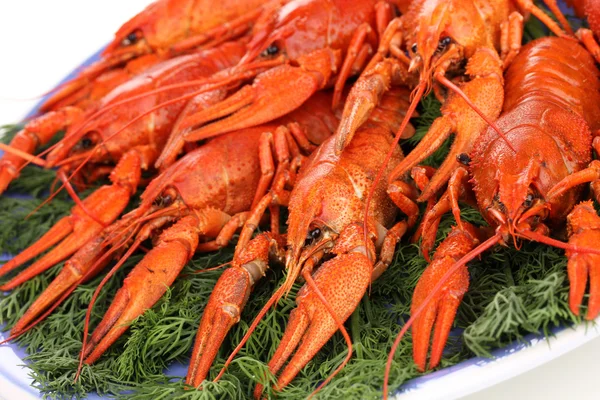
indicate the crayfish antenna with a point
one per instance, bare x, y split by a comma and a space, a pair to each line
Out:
24, 155
416, 313
72, 193
66, 89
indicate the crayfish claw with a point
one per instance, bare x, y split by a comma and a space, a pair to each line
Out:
145, 285
226, 303
442, 308
584, 228
253, 105
342, 282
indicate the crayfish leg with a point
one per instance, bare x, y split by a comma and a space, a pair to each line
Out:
528, 6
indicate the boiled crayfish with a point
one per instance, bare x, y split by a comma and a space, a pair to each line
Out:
326, 209
467, 42
527, 194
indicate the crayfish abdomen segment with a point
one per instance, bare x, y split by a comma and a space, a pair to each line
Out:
556, 70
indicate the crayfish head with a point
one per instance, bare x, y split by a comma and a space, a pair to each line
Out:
151, 31
529, 216
432, 39
321, 206
511, 187
281, 30
71, 152
518, 205
309, 236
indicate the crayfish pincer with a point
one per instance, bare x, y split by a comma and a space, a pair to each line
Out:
551, 111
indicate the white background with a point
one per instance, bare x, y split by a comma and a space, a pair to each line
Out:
41, 41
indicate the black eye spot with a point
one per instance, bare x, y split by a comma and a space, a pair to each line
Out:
463, 158
130, 39
86, 143
312, 236
528, 201
414, 48
443, 43
271, 50
163, 200
501, 206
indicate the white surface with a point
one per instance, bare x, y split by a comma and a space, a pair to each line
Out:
41, 41
478, 377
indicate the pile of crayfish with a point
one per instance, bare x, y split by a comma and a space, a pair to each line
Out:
272, 142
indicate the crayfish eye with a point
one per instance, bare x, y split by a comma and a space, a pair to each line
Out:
414, 48
86, 143
443, 43
270, 51
501, 206
463, 158
164, 200
528, 201
312, 236
130, 39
